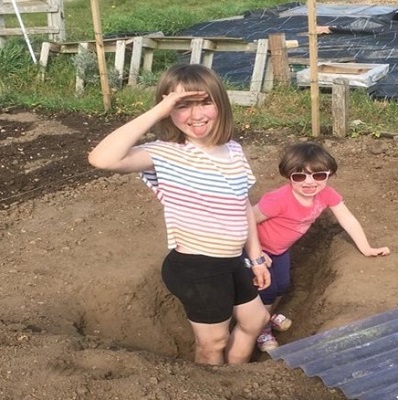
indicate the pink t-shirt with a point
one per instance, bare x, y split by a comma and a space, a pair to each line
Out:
288, 220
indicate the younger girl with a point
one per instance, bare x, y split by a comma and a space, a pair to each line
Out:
202, 179
284, 215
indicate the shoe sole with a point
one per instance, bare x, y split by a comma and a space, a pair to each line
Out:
269, 347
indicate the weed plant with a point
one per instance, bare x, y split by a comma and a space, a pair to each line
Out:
285, 107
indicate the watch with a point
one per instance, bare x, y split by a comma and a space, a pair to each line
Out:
257, 261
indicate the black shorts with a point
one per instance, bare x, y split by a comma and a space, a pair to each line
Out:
208, 287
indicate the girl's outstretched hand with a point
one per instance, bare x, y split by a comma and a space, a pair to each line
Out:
380, 251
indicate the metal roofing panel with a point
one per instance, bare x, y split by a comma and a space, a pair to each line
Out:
361, 358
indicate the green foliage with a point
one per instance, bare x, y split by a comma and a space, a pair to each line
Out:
86, 66
14, 60
134, 100
285, 107
166, 20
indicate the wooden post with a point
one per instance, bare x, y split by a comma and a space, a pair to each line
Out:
313, 44
279, 58
101, 54
340, 97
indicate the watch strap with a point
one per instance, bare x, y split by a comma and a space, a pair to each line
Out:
257, 261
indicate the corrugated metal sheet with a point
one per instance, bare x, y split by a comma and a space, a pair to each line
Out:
361, 358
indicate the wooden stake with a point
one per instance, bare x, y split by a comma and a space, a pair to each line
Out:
340, 97
101, 54
279, 58
313, 45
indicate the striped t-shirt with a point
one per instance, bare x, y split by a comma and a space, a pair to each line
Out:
204, 197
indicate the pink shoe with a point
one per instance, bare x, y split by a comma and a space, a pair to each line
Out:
266, 341
280, 323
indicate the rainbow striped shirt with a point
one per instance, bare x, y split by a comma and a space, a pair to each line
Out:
204, 198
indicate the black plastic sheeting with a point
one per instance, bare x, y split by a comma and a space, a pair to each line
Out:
368, 39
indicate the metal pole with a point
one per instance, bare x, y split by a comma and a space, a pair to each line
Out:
25, 34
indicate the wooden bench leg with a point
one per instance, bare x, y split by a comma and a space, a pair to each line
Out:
43, 62
119, 59
79, 88
196, 48
135, 61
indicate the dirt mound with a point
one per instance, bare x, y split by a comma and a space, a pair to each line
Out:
84, 312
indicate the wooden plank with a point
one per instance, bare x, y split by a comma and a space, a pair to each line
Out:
79, 84
31, 9
259, 66
175, 43
56, 18
73, 48
189, 38
148, 60
135, 61
43, 61
244, 98
306, 61
169, 44
46, 49
268, 78
207, 58
120, 56
24, 2
40, 30
196, 50
340, 96
216, 44
343, 69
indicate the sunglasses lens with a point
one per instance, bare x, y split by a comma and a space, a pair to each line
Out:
320, 176
298, 177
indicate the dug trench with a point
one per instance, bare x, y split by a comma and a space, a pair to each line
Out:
84, 312
139, 314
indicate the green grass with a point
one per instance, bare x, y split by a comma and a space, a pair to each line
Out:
285, 106
146, 15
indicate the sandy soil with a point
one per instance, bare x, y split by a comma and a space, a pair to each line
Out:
84, 314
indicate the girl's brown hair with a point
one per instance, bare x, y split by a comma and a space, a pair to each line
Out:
193, 77
306, 157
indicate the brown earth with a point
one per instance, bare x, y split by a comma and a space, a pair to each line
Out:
84, 314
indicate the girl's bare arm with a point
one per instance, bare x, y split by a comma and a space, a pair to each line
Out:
116, 151
352, 226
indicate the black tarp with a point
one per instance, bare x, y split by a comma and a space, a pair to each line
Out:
364, 34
